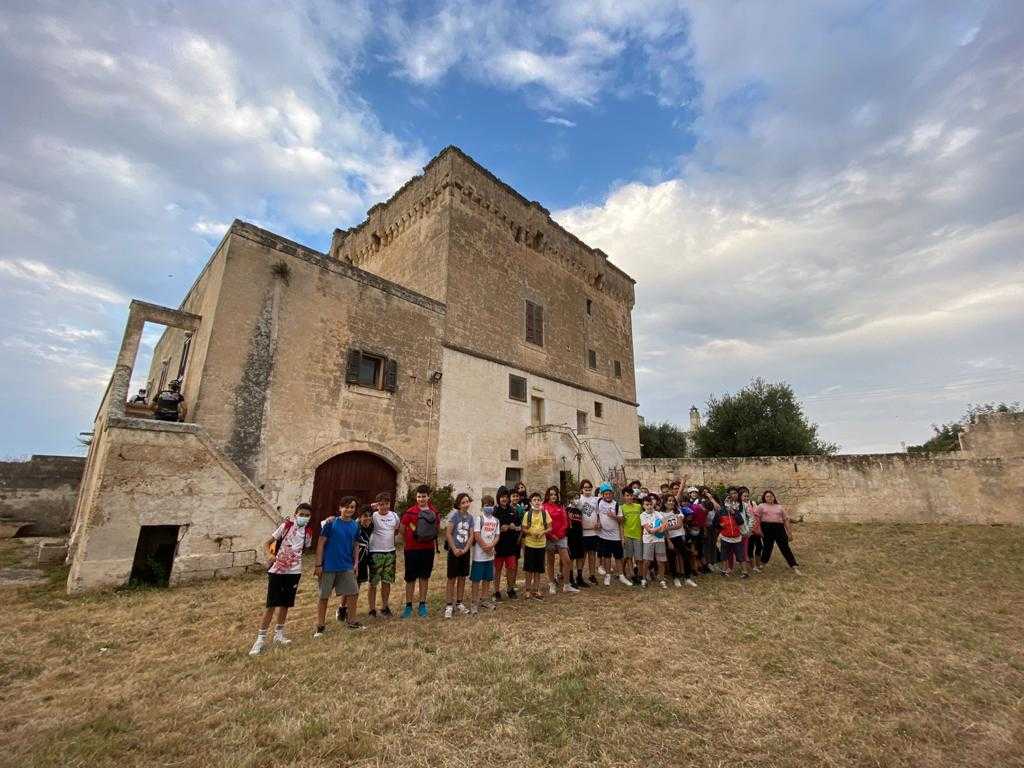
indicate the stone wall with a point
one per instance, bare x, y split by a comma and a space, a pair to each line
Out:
869, 488
997, 434
41, 490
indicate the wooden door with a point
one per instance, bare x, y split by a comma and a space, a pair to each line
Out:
357, 473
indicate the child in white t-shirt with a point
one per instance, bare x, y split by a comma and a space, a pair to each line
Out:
284, 570
486, 530
652, 521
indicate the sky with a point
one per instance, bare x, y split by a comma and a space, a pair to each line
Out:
827, 194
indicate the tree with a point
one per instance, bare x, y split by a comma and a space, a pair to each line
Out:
662, 441
762, 419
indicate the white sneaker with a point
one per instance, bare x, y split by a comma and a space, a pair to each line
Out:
643, 583
462, 608
552, 589
281, 639
797, 571
448, 609
663, 584
258, 646
677, 582
569, 588
691, 583
625, 581
319, 633
755, 569
607, 579
601, 570
490, 605
474, 610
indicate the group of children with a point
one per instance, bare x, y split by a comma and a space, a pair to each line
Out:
638, 539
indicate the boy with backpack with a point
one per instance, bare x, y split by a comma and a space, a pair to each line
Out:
420, 524
458, 539
536, 526
283, 573
481, 572
609, 544
654, 528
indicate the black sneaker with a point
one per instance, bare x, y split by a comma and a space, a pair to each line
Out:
636, 581
497, 597
592, 580
581, 584
386, 612
342, 613
511, 593
354, 625
372, 613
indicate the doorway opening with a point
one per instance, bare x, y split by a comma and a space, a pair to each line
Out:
154, 556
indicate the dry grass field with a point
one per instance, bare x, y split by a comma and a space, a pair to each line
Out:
901, 646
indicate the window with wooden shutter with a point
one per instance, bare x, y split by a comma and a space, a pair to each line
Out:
535, 323
592, 359
391, 375
352, 366
517, 388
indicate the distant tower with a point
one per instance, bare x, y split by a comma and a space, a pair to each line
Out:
694, 419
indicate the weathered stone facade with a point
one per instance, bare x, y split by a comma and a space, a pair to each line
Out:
41, 492
399, 344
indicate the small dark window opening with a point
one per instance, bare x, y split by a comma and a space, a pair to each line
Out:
370, 367
618, 370
154, 556
535, 323
514, 454
513, 475
184, 355
592, 359
598, 409
517, 388
589, 306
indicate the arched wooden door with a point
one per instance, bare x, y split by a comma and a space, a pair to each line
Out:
356, 473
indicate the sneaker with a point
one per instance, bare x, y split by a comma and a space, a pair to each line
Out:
538, 596
319, 632
796, 570
258, 646
473, 610
624, 580
663, 584
386, 612
280, 639
354, 625
690, 583
512, 594
552, 589
341, 614
601, 571
407, 612
593, 581
643, 583
677, 582
448, 610
422, 610
744, 575
372, 613
756, 569
569, 588
490, 605
497, 597
461, 608
581, 584
607, 579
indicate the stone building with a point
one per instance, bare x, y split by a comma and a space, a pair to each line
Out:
457, 336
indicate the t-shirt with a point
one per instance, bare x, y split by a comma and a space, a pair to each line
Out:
487, 526
654, 519
508, 541
559, 520
673, 519
461, 527
533, 528
288, 558
409, 518
588, 512
631, 520
383, 538
609, 517
167, 404
340, 536
770, 513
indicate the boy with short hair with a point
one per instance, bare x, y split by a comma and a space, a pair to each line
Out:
458, 539
485, 538
632, 533
536, 526
284, 569
652, 522
362, 554
506, 552
336, 561
382, 554
420, 524
609, 545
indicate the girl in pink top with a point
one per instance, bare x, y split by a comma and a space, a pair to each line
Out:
558, 543
771, 523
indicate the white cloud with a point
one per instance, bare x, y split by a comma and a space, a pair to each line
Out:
563, 122
207, 228
40, 277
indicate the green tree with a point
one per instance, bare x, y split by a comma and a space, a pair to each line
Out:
662, 441
762, 419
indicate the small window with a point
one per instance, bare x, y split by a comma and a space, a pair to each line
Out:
535, 323
592, 359
513, 454
513, 475
536, 411
618, 370
581, 422
590, 306
372, 371
598, 409
517, 388
370, 367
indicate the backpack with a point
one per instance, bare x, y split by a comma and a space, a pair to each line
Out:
426, 525
280, 539
529, 517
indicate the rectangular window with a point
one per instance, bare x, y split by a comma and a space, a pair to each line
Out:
372, 371
618, 370
581, 422
535, 323
536, 411
513, 475
513, 454
592, 359
370, 367
590, 306
517, 388
598, 409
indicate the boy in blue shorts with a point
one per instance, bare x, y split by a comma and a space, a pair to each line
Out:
486, 531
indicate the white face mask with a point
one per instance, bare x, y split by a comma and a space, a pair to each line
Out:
301, 520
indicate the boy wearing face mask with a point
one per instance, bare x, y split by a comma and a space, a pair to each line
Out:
284, 569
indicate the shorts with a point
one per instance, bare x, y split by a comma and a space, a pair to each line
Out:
382, 567
419, 564
655, 550
482, 571
633, 548
342, 582
533, 559
281, 589
458, 567
590, 543
609, 548
554, 545
506, 561
733, 549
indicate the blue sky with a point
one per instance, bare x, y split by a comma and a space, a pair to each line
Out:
826, 194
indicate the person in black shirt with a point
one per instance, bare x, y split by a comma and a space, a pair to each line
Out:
170, 404
506, 551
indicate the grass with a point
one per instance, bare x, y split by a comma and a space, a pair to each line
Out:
901, 646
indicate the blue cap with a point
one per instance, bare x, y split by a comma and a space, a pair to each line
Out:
605, 487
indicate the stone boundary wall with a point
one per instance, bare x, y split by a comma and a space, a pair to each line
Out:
869, 488
994, 435
42, 491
